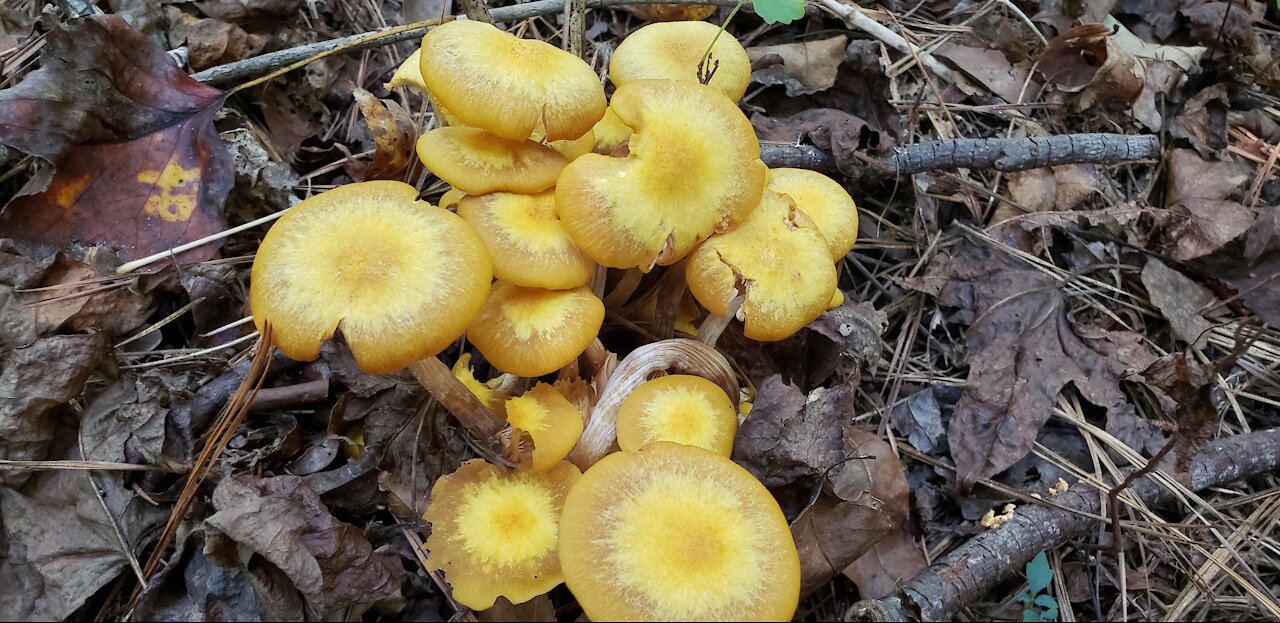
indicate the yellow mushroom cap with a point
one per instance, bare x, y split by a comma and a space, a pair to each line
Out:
401, 278
528, 244
677, 533
451, 197
694, 168
492, 398
532, 331
672, 51
554, 423
610, 132
409, 74
495, 532
781, 262
478, 162
681, 408
509, 86
571, 149
825, 201
672, 12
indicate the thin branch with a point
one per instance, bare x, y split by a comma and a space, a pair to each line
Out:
268, 62
966, 574
999, 154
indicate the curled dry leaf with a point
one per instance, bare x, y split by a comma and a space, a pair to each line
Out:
139, 165
855, 327
790, 440
802, 68
1107, 65
393, 132
281, 519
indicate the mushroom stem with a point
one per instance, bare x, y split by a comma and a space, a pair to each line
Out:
683, 355
440, 382
623, 290
711, 328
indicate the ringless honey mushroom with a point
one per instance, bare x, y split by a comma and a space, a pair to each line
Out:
673, 51
477, 162
401, 279
681, 408
825, 201
509, 86
526, 241
496, 532
551, 420
677, 533
532, 331
693, 169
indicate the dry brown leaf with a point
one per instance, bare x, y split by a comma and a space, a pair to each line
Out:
790, 440
36, 383
1179, 299
992, 70
802, 68
139, 165
281, 519
1204, 213
210, 42
393, 132
1023, 350
893, 560
855, 327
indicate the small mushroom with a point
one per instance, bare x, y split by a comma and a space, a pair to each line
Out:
532, 331
776, 261
512, 87
496, 532
551, 420
492, 398
673, 51
528, 244
681, 408
825, 201
677, 533
693, 169
477, 162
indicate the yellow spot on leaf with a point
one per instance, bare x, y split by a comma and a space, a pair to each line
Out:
173, 194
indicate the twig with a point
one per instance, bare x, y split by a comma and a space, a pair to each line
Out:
999, 154
477, 11
966, 574
855, 18
275, 60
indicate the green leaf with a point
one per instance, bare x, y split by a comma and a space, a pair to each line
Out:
1050, 606
1031, 616
1038, 573
779, 11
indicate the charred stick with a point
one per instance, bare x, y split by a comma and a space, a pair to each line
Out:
968, 573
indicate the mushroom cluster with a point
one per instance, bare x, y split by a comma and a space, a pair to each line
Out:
550, 185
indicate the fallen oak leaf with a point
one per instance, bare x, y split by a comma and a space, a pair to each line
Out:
394, 136
139, 164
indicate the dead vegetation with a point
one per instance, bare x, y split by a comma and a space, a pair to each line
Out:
1014, 340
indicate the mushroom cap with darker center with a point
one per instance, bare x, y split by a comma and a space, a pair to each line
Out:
681, 408
673, 51
693, 169
495, 532
510, 86
477, 162
677, 533
532, 331
401, 278
777, 260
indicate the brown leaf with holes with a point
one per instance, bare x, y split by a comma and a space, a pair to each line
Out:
394, 134
1023, 350
139, 165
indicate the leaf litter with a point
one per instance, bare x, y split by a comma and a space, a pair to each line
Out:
976, 363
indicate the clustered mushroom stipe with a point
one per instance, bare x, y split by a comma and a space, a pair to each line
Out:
644, 517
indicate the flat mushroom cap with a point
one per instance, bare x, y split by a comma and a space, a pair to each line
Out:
682, 408
528, 244
825, 201
509, 86
554, 423
478, 162
677, 533
673, 50
496, 532
693, 169
401, 278
532, 331
780, 262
